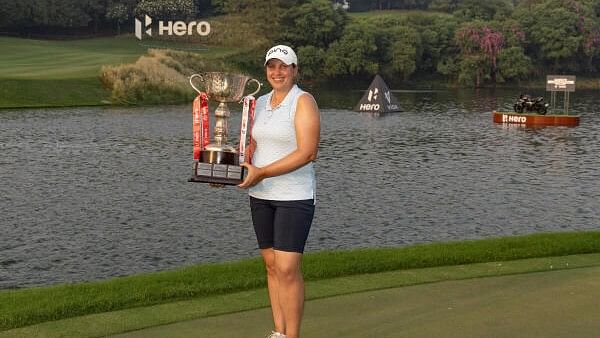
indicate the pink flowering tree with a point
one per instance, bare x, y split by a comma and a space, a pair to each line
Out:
479, 46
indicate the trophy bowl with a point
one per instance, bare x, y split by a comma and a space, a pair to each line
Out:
222, 87
218, 163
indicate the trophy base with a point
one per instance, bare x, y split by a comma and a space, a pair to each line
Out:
219, 167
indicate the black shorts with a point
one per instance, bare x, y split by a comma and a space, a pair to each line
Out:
282, 225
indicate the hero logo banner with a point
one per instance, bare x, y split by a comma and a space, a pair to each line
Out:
388, 97
373, 94
178, 28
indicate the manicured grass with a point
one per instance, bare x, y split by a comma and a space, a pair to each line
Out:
29, 306
109, 323
52, 93
51, 73
25, 59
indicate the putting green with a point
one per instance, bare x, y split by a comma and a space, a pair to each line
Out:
512, 304
548, 304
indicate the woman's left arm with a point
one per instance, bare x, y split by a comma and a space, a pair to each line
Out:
308, 127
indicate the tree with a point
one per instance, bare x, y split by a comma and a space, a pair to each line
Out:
479, 42
437, 42
404, 51
118, 13
483, 10
315, 23
16, 13
355, 53
558, 36
166, 9
313, 60
591, 50
447, 6
472, 69
47, 16
96, 12
514, 64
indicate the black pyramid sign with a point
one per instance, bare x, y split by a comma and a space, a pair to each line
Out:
378, 99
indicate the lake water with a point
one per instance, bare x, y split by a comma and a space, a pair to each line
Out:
90, 193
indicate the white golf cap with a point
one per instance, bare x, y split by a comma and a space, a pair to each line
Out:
283, 53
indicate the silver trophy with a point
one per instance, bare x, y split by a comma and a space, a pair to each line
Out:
219, 161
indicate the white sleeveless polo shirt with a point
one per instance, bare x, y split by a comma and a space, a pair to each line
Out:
275, 135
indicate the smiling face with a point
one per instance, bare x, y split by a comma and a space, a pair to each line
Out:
281, 76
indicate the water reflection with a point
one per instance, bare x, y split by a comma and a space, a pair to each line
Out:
97, 192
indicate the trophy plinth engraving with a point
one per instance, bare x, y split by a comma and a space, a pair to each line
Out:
218, 162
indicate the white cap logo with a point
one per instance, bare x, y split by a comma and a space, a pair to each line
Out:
283, 53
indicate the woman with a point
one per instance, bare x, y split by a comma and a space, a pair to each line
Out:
281, 183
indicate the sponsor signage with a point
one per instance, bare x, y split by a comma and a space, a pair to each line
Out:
514, 119
177, 28
378, 99
560, 83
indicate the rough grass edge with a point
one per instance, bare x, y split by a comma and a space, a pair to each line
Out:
25, 307
140, 318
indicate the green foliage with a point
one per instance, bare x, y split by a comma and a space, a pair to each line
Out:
483, 10
46, 16
118, 13
394, 45
367, 5
404, 51
314, 23
355, 53
447, 66
447, 6
554, 33
556, 30
313, 60
437, 40
473, 69
402, 39
166, 9
514, 64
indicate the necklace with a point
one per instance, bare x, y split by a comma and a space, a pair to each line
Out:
275, 102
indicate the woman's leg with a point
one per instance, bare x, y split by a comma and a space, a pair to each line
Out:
282, 229
273, 287
290, 289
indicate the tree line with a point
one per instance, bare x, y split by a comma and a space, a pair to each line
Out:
90, 17
468, 41
472, 42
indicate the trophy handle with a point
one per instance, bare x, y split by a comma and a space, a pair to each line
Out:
258, 84
201, 79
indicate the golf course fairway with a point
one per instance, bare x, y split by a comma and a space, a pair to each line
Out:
560, 303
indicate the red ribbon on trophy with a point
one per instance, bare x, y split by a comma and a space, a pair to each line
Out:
247, 119
201, 136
